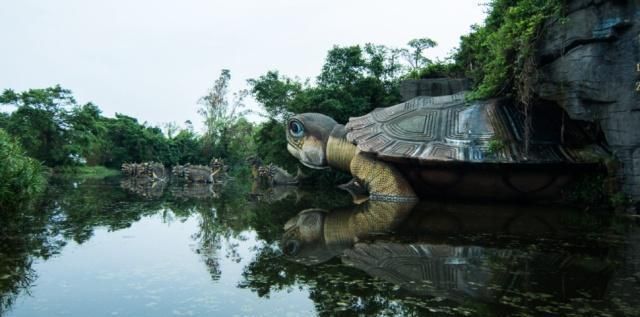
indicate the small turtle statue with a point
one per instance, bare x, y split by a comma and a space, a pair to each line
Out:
445, 147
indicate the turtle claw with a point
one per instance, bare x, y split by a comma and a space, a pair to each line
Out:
357, 190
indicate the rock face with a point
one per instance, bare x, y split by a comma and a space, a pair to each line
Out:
589, 64
410, 89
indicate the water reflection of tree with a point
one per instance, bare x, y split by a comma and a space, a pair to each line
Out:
76, 208
23, 237
71, 210
221, 220
17, 274
336, 289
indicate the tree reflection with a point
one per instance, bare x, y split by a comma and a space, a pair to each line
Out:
23, 237
72, 210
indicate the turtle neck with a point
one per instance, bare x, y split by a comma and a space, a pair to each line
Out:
339, 151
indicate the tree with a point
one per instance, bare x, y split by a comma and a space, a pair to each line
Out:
220, 115
343, 66
52, 128
171, 128
40, 122
274, 92
88, 134
188, 145
21, 177
414, 57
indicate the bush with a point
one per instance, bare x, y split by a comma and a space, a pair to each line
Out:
438, 70
21, 177
495, 55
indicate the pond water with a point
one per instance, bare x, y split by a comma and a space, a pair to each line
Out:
113, 247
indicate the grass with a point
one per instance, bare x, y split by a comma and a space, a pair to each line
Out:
88, 172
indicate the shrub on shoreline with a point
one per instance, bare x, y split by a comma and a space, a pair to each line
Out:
21, 177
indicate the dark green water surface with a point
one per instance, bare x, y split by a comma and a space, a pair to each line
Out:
114, 247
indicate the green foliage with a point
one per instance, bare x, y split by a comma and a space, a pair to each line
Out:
494, 55
415, 57
130, 141
353, 81
438, 70
21, 178
53, 129
39, 122
88, 136
188, 146
271, 144
239, 142
229, 134
273, 91
344, 66
496, 146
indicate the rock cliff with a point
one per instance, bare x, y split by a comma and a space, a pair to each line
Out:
589, 64
432, 87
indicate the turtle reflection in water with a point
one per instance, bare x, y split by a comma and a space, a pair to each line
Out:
441, 146
432, 251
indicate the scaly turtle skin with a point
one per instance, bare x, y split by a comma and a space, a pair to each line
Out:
444, 147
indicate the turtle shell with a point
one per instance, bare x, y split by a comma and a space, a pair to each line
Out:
447, 129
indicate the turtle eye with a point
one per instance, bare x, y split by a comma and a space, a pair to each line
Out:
296, 129
291, 247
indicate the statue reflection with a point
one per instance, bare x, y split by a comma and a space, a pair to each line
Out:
155, 189
454, 251
269, 194
196, 191
144, 187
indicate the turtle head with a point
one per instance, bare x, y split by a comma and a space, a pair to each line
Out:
303, 239
307, 137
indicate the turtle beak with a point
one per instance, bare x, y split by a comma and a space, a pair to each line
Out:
313, 166
290, 223
311, 155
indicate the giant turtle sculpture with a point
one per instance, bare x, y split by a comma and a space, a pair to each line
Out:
443, 146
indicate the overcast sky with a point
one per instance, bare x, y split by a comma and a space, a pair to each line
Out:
154, 59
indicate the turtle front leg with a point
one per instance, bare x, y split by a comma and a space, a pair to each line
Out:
357, 190
383, 181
